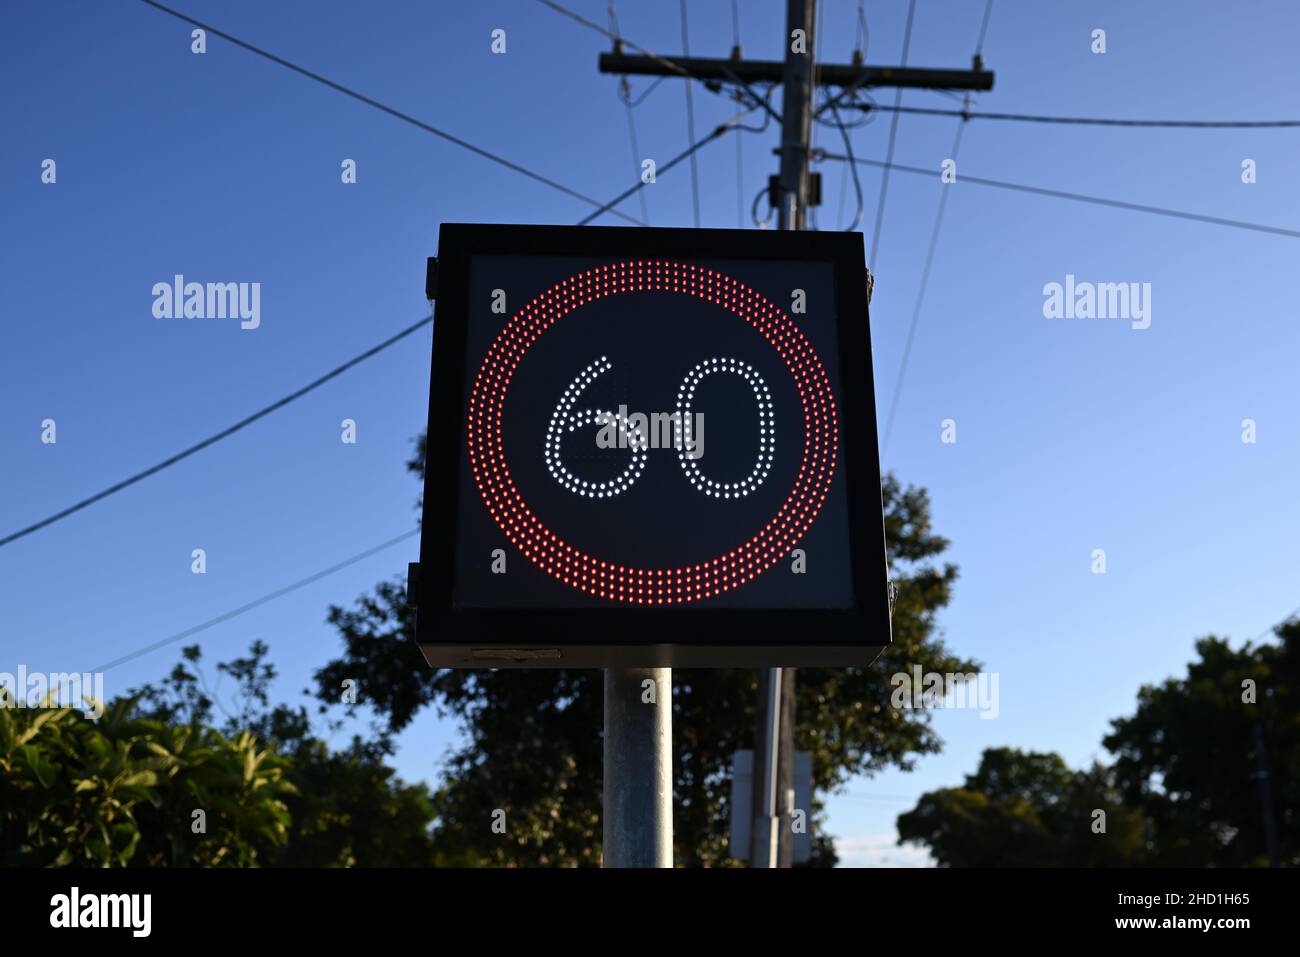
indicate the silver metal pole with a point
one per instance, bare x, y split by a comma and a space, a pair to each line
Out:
765, 834
638, 788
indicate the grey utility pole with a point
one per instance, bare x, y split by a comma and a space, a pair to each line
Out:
796, 113
1266, 797
772, 843
638, 786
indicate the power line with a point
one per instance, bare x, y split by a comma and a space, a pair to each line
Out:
398, 114
920, 296
740, 182
861, 39
690, 123
1078, 197
878, 797
893, 136
625, 94
621, 41
690, 150
934, 244
257, 602
636, 149
648, 90
1089, 121
857, 185
984, 28
617, 38
813, 216
224, 433
1275, 626
740, 142
862, 36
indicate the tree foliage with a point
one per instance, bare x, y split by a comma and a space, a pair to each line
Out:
155, 783
532, 738
1185, 789
346, 807
123, 790
1189, 756
1026, 809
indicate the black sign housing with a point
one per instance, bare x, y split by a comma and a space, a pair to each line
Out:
650, 447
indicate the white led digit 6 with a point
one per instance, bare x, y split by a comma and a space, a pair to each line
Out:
564, 420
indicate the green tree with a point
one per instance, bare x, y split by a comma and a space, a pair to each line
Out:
123, 790
532, 744
1026, 809
1185, 789
347, 807
1188, 756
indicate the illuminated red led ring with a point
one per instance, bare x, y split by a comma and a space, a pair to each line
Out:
623, 583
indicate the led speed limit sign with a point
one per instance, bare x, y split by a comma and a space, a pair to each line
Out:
650, 447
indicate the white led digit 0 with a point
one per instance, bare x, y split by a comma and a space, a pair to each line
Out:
766, 437
564, 420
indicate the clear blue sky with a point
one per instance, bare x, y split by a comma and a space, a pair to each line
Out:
1072, 435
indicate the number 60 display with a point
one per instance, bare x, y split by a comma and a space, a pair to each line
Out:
566, 419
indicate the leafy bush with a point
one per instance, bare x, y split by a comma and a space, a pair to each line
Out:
125, 789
